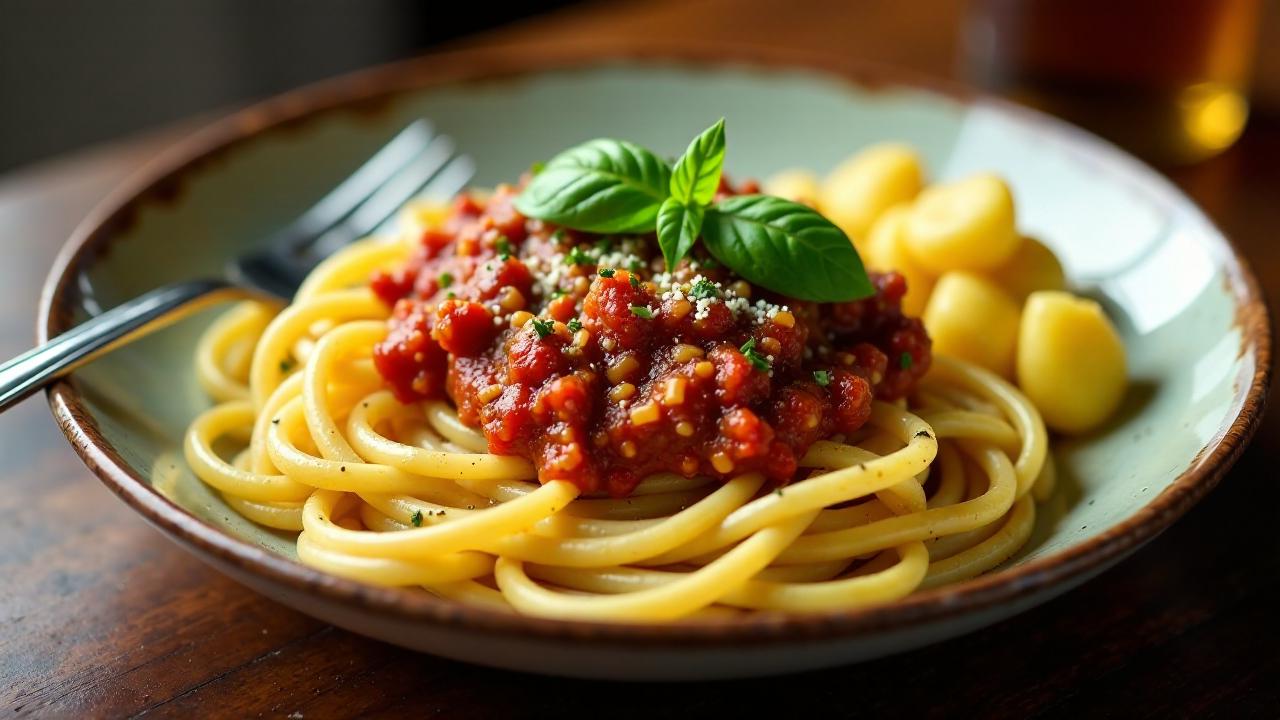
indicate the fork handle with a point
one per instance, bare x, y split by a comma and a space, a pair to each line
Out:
30, 371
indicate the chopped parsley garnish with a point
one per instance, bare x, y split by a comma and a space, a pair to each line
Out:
558, 235
606, 272
537, 167
634, 265
758, 361
574, 325
451, 295
542, 327
577, 256
604, 245
704, 290
504, 248
822, 377
635, 281
416, 519
445, 279
905, 361
558, 293
287, 364
642, 311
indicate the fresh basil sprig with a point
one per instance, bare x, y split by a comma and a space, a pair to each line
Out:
786, 247
678, 228
612, 186
696, 176
602, 186
694, 182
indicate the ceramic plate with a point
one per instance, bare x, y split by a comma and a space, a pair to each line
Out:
1189, 310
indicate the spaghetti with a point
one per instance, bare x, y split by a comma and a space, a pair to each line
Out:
931, 490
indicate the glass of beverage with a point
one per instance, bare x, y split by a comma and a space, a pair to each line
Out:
1167, 79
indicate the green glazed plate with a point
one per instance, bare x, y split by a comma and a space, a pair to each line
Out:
1189, 310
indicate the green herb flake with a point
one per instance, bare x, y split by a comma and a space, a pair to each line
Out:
574, 325
753, 356
577, 256
558, 293
416, 519
634, 280
905, 361
543, 327
634, 265
504, 248
822, 377
445, 279
558, 235
704, 289
642, 311
287, 364
604, 245
606, 272
451, 295
537, 168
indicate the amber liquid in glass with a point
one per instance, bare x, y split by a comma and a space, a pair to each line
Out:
1166, 79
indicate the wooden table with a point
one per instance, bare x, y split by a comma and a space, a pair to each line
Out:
101, 616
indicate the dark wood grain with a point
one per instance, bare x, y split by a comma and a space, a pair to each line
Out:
101, 616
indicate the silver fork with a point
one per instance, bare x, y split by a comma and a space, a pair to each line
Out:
415, 162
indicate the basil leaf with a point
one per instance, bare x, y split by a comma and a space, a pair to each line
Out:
678, 227
786, 247
601, 186
696, 176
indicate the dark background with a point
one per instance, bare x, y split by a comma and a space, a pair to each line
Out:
75, 72
100, 616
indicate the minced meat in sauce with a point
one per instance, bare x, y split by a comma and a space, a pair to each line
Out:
580, 353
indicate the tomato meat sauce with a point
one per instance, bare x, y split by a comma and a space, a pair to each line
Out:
583, 354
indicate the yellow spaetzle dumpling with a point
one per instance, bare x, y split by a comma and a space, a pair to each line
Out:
1033, 267
1071, 361
867, 184
428, 213
799, 185
963, 225
971, 318
884, 251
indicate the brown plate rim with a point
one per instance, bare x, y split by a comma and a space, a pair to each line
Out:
158, 181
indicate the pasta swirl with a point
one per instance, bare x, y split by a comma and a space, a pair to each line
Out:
933, 491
